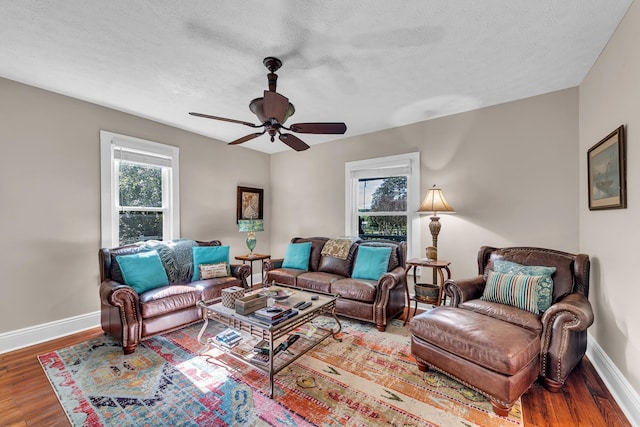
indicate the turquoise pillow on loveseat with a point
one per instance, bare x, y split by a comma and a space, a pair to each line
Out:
297, 256
371, 262
143, 271
208, 255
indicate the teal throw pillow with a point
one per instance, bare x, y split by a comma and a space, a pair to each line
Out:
517, 290
297, 256
208, 255
371, 262
545, 286
143, 271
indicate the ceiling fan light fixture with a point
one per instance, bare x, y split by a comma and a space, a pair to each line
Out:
257, 107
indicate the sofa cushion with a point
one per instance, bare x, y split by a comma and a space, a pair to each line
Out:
544, 289
371, 262
283, 276
517, 290
297, 256
317, 281
212, 288
166, 299
335, 265
211, 271
506, 313
208, 255
355, 289
143, 271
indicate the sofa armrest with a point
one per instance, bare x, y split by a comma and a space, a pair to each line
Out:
118, 294
573, 312
465, 289
564, 338
272, 264
392, 279
126, 324
242, 272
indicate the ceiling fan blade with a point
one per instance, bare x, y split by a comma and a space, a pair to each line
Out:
333, 128
206, 116
293, 142
246, 138
275, 106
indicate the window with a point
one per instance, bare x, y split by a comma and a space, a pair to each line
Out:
139, 186
382, 196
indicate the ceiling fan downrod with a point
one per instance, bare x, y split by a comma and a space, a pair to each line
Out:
273, 65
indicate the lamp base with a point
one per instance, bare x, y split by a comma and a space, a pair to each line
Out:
251, 242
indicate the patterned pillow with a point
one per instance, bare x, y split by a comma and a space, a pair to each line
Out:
517, 290
211, 271
545, 286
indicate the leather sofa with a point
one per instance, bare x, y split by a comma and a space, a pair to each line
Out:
376, 301
130, 317
500, 349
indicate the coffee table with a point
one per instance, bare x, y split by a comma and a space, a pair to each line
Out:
253, 331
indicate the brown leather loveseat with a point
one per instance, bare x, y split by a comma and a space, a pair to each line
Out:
131, 317
377, 301
498, 336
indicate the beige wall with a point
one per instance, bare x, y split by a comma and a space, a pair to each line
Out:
610, 97
50, 198
510, 171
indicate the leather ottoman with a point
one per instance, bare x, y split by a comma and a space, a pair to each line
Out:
498, 359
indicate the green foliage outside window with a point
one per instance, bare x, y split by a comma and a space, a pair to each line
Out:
390, 196
140, 186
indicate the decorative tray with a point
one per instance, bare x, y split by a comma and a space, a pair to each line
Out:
277, 294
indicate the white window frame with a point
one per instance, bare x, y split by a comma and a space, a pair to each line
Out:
109, 194
399, 165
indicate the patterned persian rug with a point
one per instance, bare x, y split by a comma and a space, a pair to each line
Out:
368, 379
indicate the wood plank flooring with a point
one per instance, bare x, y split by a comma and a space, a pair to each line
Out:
27, 399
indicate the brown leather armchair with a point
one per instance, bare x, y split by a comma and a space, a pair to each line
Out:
498, 349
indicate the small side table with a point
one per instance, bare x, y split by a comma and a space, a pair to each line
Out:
438, 266
251, 258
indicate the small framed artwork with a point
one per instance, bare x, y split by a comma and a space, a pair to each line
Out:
250, 203
607, 172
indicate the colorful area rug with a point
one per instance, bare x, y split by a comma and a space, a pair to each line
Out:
368, 379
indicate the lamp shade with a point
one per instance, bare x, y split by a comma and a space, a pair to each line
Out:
248, 225
435, 202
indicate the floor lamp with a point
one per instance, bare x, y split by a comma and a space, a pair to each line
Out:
433, 203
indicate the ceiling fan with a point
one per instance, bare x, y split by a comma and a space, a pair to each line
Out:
273, 109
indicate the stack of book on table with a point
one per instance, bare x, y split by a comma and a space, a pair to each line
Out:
274, 314
261, 350
229, 338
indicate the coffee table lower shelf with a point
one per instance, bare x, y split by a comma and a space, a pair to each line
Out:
252, 332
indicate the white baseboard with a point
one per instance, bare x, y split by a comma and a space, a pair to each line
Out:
20, 338
626, 397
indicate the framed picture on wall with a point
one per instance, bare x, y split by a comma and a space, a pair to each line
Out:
250, 203
607, 172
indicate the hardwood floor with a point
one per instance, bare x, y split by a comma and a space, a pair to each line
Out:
27, 399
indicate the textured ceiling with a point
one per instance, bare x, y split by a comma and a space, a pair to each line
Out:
373, 64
